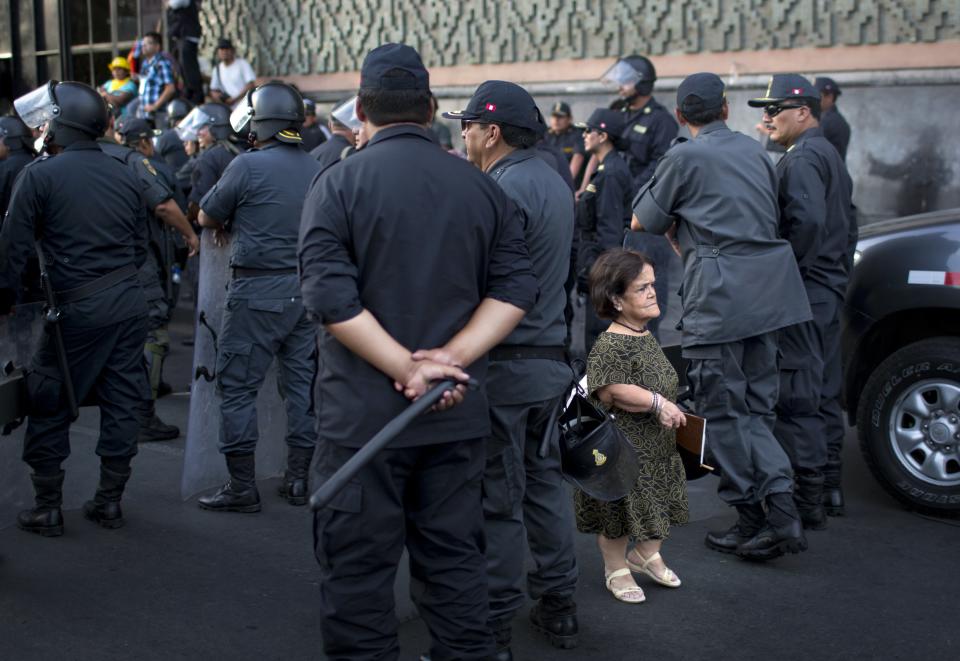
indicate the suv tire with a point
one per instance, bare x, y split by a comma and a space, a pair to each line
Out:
908, 422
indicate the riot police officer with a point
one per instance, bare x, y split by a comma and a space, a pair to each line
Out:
648, 129
525, 499
604, 208
16, 151
818, 218
312, 132
343, 125
258, 200
210, 123
162, 210
169, 146
741, 284
85, 209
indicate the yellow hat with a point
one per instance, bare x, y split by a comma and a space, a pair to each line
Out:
119, 63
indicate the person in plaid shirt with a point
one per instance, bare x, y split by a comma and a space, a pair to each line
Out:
157, 83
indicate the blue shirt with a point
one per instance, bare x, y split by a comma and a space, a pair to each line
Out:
154, 75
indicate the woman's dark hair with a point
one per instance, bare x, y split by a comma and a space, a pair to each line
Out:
518, 138
610, 276
391, 106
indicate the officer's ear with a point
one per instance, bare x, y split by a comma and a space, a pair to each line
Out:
495, 135
361, 115
680, 118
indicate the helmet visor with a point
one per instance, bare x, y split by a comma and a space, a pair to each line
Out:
346, 114
620, 74
38, 107
240, 118
188, 127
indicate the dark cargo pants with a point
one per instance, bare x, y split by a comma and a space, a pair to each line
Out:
254, 331
827, 316
426, 498
800, 423
525, 504
105, 362
735, 386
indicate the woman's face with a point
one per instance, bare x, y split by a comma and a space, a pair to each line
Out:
639, 301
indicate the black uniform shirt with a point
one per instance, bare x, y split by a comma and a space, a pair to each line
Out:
313, 137
418, 237
170, 149
92, 217
210, 165
569, 142
817, 215
836, 129
739, 277
332, 151
259, 199
556, 160
613, 188
9, 169
648, 133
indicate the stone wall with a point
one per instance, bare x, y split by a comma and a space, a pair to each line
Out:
290, 37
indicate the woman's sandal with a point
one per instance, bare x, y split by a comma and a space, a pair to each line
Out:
668, 579
621, 593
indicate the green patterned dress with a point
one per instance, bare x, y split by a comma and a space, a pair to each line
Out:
659, 498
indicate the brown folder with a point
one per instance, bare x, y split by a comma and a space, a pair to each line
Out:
692, 442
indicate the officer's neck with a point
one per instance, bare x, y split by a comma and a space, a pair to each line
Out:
373, 129
496, 154
639, 102
794, 139
603, 150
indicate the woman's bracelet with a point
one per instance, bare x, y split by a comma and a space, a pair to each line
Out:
657, 404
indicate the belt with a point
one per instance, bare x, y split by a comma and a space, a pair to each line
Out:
97, 286
525, 352
244, 272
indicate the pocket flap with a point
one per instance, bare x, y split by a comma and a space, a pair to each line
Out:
708, 251
268, 305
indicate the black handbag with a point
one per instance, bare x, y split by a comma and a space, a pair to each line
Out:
595, 455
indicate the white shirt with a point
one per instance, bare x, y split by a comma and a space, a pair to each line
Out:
232, 78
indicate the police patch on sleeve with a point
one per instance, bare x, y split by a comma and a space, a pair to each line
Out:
149, 166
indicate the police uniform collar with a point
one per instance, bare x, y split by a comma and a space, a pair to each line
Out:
401, 129
516, 156
713, 127
812, 132
82, 144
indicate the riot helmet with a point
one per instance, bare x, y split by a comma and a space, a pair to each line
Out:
15, 134
177, 110
634, 70
214, 116
273, 109
71, 112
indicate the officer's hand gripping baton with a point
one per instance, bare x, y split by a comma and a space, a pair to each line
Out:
329, 489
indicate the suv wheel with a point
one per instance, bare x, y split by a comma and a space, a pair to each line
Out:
909, 425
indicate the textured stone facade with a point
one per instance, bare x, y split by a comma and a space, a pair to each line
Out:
291, 37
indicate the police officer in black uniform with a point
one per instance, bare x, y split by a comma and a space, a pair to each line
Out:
163, 211
833, 125
214, 119
568, 138
604, 208
85, 210
169, 146
258, 200
525, 498
16, 151
311, 132
341, 144
818, 218
403, 247
648, 129
718, 193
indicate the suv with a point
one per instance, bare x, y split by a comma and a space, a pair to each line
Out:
901, 348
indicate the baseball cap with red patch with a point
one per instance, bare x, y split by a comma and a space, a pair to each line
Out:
500, 102
784, 87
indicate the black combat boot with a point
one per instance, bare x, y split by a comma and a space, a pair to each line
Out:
832, 489
556, 618
45, 518
751, 519
104, 509
782, 532
808, 496
240, 493
152, 429
294, 484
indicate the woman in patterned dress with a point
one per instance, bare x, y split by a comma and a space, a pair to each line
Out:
628, 375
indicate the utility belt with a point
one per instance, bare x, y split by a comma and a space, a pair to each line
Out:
527, 352
95, 287
244, 272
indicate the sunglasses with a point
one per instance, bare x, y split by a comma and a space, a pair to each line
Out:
775, 109
465, 123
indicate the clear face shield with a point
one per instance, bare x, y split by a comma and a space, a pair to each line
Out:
38, 107
241, 116
620, 74
188, 127
346, 114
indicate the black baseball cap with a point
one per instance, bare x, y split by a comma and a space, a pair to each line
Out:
609, 121
136, 128
500, 102
561, 108
828, 85
223, 42
786, 86
389, 57
699, 92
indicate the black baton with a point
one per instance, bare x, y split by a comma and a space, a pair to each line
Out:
52, 317
329, 489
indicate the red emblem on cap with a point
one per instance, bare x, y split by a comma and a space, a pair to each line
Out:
603, 125
796, 90
491, 107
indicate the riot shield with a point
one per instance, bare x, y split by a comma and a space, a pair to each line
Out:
203, 465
